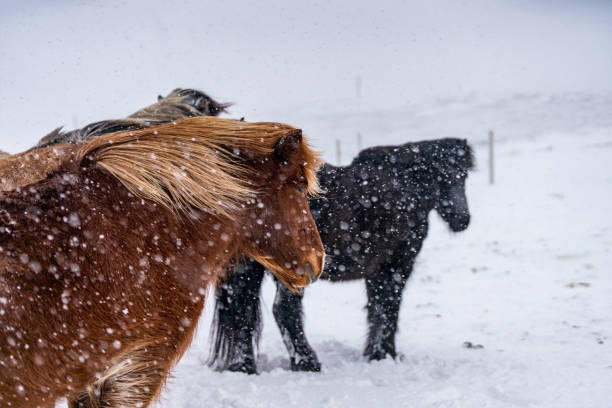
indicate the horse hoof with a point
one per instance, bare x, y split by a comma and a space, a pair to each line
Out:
247, 367
378, 354
307, 365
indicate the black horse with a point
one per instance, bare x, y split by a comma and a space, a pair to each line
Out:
373, 221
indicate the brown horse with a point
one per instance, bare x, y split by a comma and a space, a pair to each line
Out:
105, 263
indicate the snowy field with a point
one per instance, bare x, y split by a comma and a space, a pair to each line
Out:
529, 280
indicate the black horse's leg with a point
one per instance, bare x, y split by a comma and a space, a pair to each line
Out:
289, 317
384, 299
237, 321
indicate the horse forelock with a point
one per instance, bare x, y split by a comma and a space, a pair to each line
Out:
311, 161
195, 163
470, 157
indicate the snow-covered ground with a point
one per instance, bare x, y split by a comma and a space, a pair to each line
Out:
530, 279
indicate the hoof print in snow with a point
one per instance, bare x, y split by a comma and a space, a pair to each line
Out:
573, 285
470, 345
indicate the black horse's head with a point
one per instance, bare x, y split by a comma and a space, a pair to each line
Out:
444, 164
432, 171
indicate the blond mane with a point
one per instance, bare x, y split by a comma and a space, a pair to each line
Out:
192, 163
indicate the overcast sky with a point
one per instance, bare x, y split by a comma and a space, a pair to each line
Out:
72, 62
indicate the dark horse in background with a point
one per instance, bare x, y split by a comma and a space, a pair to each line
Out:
373, 221
178, 104
47, 154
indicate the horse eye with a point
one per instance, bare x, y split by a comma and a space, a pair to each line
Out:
301, 188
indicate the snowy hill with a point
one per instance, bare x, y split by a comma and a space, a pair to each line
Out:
511, 117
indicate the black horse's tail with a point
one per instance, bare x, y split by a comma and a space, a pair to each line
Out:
237, 322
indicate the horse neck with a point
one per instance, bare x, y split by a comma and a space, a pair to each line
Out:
421, 191
336, 180
426, 183
328, 172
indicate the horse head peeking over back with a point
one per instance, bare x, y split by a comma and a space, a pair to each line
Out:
51, 151
178, 104
104, 264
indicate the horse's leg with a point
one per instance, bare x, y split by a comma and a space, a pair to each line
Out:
133, 380
290, 319
384, 298
237, 321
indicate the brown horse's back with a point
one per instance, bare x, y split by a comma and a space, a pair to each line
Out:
101, 239
21, 169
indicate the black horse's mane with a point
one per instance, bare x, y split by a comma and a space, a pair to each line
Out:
178, 104
449, 150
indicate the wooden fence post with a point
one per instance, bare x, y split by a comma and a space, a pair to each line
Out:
491, 157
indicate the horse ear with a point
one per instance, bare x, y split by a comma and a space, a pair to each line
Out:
288, 144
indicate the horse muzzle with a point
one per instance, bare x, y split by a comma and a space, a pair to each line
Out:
312, 276
313, 268
458, 224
